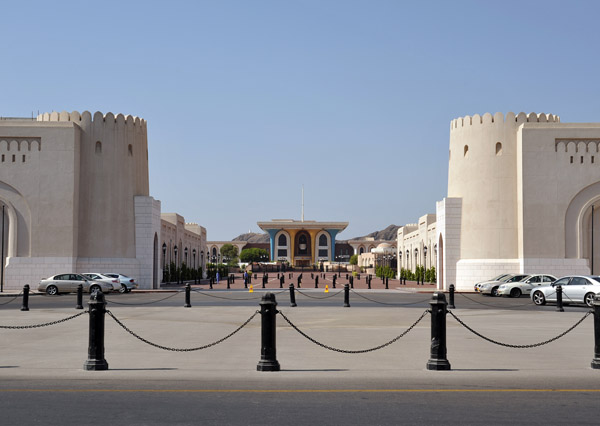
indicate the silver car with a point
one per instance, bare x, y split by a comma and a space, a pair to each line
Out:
497, 278
67, 283
575, 289
491, 287
126, 283
518, 288
95, 276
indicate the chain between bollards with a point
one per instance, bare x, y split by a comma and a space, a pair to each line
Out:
268, 347
25, 306
437, 360
97, 311
187, 295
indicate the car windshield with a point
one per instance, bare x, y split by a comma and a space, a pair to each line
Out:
516, 278
506, 278
595, 277
498, 278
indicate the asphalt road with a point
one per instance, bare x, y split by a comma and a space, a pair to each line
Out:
304, 298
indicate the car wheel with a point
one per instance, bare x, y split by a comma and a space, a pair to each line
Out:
589, 299
538, 298
51, 290
123, 289
95, 289
515, 292
494, 292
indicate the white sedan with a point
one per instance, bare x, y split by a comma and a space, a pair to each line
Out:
492, 287
575, 289
518, 288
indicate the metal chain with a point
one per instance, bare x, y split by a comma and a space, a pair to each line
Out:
6, 303
389, 304
166, 348
493, 306
144, 303
235, 298
535, 345
316, 297
360, 351
21, 327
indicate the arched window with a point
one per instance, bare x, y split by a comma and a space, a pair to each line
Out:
282, 240
361, 250
466, 151
98, 147
130, 150
302, 239
323, 240
498, 149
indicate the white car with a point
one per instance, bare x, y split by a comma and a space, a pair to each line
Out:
491, 287
67, 283
96, 276
127, 283
518, 288
479, 284
575, 289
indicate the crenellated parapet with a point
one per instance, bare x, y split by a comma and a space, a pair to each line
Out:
86, 117
511, 117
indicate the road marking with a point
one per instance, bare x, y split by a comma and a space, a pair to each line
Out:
297, 390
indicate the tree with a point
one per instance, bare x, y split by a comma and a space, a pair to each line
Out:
354, 259
230, 252
252, 255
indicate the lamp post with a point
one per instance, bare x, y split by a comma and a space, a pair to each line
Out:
400, 264
416, 261
176, 266
185, 252
195, 269
425, 262
164, 248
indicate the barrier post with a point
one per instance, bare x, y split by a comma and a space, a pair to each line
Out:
368, 283
559, 302
596, 360
437, 360
281, 279
346, 296
96, 361
79, 297
334, 279
228, 282
317, 281
386, 283
25, 306
451, 304
292, 296
268, 352
187, 296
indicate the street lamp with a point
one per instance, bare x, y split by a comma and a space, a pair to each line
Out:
186, 253
195, 269
164, 247
425, 262
176, 266
416, 261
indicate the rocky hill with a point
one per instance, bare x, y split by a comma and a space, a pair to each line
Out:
253, 237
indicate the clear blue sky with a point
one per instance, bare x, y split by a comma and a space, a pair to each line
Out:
248, 100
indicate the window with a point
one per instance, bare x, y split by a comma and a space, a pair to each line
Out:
23, 158
498, 149
578, 281
282, 240
130, 150
562, 281
323, 240
282, 253
466, 151
98, 147
323, 253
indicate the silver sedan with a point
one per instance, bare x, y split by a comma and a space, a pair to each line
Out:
67, 283
575, 289
516, 289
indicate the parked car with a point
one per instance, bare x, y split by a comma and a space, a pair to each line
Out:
497, 278
95, 276
518, 288
126, 283
491, 287
575, 289
67, 283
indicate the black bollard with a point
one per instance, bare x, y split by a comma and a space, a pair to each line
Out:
187, 296
96, 361
255, 276
317, 281
387, 279
451, 304
292, 296
596, 360
334, 279
25, 306
346, 296
228, 282
559, 304
281, 281
268, 349
79, 297
368, 283
351, 281
277, 276
299, 281
312, 276
346, 276
210, 282
437, 360
404, 281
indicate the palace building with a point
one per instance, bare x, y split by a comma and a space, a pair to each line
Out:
302, 243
